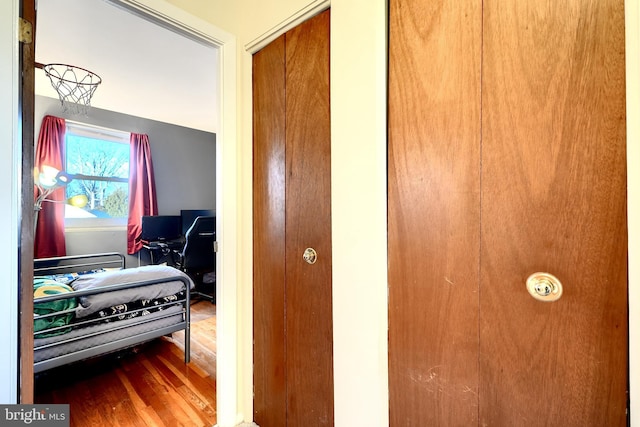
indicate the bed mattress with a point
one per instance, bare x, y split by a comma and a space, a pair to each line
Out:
97, 336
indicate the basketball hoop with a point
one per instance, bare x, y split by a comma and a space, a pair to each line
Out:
75, 86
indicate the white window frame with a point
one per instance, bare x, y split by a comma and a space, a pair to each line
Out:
106, 134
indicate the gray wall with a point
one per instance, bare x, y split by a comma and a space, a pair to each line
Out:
183, 160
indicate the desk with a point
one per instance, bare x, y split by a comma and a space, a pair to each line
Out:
162, 251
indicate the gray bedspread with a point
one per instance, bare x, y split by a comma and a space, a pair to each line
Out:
93, 303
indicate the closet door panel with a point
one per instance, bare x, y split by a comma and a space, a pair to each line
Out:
553, 180
308, 302
269, 235
434, 211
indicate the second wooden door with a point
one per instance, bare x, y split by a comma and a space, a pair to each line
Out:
293, 351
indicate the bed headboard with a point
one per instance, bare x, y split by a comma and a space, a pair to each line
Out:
78, 263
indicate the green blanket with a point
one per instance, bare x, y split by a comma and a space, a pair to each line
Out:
45, 287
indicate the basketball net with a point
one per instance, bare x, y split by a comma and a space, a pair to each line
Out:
75, 86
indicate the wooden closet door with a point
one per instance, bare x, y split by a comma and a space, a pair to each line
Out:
474, 210
554, 200
293, 347
434, 211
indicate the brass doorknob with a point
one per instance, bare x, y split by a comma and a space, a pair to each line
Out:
310, 256
544, 287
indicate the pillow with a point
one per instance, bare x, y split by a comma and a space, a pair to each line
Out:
93, 303
44, 287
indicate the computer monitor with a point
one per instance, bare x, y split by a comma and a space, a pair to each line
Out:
161, 227
190, 215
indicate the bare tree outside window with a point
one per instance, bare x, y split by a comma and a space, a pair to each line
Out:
100, 171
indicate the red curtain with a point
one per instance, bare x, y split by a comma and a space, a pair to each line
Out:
142, 190
49, 236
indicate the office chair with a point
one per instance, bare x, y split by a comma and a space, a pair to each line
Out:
198, 259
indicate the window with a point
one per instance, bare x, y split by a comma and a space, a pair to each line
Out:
98, 161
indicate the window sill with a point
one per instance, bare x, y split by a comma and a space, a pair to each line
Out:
94, 224
94, 228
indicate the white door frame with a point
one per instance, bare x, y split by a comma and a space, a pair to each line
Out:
10, 173
175, 19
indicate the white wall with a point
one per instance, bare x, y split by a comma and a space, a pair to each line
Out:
9, 174
359, 211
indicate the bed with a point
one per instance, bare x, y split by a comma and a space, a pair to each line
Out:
90, 305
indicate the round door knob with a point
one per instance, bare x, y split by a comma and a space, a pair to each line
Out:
544, 287
310, 256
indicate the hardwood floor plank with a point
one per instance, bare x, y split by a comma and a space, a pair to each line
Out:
81, 414
136, 400
198, 397
196, 366
150, 416
116, 401
178, 409
192, 372
167, 406
203, 350
196, 401
167, 381
198, 415
140, 382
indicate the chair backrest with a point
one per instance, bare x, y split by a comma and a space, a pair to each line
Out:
198, 252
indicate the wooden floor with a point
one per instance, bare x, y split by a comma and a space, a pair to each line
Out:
149, 385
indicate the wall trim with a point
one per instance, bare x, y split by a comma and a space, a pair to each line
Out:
292, 21
10, 197
178, 20
175, 19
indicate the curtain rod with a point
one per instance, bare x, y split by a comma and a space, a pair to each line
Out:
104, 128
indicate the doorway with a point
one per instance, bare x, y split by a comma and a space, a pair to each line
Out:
225, 181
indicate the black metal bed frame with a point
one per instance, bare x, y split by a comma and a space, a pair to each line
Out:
71, 264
